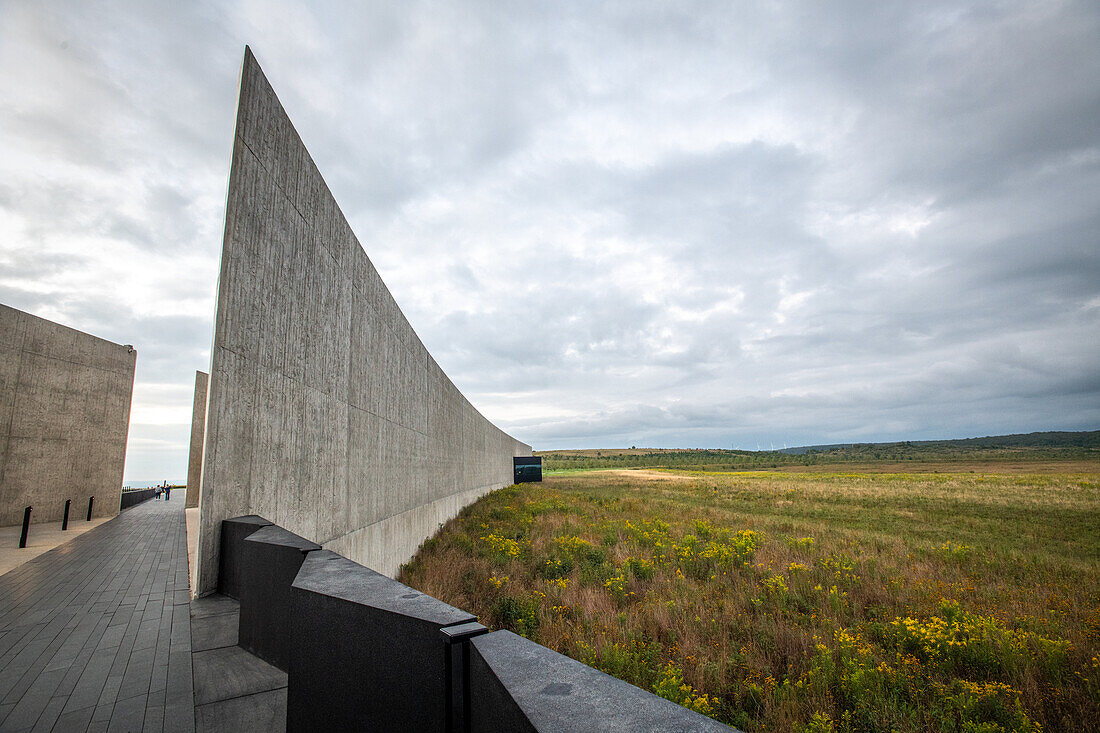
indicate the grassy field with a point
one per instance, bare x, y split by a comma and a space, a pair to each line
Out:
957, 600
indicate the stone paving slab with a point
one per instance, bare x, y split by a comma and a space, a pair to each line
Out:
235, 692
263, 711
95, 635
41, 538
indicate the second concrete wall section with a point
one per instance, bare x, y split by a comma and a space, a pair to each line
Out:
198, 431
64, 417
325, 414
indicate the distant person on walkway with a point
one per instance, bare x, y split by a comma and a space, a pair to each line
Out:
167, 492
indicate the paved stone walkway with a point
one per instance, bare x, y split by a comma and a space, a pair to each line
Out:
42, 538
95, 634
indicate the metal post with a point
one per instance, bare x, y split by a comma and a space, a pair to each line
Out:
65, 519
456, 671
91, 499
26, 526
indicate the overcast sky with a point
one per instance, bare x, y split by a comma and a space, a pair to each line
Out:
657, 224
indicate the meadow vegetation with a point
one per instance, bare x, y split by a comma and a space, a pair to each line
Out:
813, 601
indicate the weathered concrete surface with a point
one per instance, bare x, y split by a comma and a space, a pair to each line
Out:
64, 418
326, 414
198, 430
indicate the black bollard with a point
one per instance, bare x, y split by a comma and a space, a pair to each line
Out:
90, 500
65, 519
26, 526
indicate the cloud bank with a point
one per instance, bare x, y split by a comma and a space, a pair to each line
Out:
654, 224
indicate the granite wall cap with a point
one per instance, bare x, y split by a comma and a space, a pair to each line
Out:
560, 694
273, 534
462, 632
326, 573
250, 519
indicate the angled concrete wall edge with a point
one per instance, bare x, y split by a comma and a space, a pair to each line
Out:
198, 432
325, 413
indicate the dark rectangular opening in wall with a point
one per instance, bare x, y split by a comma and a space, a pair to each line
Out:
527, 468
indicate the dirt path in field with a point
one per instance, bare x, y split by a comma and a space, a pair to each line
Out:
653, 475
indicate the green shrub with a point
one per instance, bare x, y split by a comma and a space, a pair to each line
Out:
518, 614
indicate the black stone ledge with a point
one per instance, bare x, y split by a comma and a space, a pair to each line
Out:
366, 651
329, 574
270, 559
132, 498
234, 531
518, 685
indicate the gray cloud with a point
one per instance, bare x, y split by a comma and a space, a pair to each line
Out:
704, 225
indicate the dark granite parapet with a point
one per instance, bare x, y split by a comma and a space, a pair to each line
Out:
270, 559
130, 498
234, 531
366, 651
518, 685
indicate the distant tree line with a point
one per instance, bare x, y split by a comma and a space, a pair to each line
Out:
1051, 446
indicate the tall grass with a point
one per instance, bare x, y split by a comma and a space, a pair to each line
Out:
797, 601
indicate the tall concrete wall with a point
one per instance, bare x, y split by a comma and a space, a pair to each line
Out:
64, 417
198, 430
325, 414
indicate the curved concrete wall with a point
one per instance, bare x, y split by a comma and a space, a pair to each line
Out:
64, 418
325, 412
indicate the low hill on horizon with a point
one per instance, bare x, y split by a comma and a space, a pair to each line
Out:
1045, 439
1038, 446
